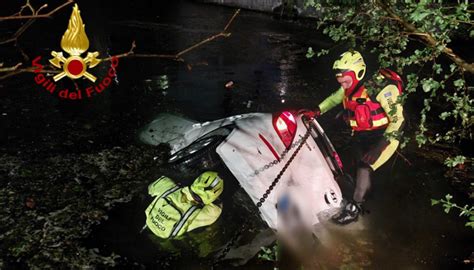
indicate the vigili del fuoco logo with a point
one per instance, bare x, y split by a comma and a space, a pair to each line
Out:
74, 43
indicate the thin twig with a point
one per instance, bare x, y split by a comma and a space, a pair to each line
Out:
393, 164
27, 5
466, 22
29, 70
131, 53
7, 69
231, 20
35, 13
222, 34
404, 158
31, 19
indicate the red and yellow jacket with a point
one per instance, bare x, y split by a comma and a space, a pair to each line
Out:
366, 112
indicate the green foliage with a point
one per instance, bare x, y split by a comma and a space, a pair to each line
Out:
455, 161
163, 82
310, 53
414, 39
322, 52
382, 25
269, 253
465, 210
430, 85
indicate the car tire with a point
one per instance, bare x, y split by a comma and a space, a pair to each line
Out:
198, 156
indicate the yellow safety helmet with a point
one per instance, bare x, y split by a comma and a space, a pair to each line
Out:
350, 61
208, 186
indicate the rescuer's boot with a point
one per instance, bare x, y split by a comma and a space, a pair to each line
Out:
348, 214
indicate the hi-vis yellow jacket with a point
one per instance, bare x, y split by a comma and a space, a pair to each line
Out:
174, 211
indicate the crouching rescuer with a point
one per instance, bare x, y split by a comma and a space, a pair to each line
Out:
176, 210
373, 112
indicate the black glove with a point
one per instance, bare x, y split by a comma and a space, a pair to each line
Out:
374, 153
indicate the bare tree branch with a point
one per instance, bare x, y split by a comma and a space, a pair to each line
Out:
6, 69
31, 18
178, 55
14, 72
11, 71
231, 20
131, 53
34, 13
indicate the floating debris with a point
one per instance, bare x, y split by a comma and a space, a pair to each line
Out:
229, 85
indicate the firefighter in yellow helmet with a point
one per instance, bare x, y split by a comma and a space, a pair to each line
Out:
374, 118
176, 210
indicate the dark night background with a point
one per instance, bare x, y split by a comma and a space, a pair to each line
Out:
82, 159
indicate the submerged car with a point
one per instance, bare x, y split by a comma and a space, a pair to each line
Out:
255, 147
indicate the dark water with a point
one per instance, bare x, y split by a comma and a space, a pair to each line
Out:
265, 58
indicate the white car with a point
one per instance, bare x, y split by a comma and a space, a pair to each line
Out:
255, 147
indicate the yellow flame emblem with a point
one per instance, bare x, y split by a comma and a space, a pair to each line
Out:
75, 42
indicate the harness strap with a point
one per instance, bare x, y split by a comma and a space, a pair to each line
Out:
376, 123
377, 111
374, 112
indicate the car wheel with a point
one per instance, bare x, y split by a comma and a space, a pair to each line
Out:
197, 156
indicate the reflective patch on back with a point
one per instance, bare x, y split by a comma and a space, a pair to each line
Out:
388, 94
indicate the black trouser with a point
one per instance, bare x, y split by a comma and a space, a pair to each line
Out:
361, 143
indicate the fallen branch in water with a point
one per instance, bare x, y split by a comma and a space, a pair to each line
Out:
178, 56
